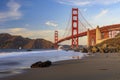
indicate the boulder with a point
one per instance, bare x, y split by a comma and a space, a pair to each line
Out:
90, 48
106, 50
46, 64
41, 64
94, 49
29, 50
76, 50
101, 50
36, 65
84, 50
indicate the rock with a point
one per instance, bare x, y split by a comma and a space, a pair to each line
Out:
104, 46
46, 64
101, 50
41, 64
106, 50
111, 45
29, 50
90, 48
95, 49
36, 65
77, 50
84, 50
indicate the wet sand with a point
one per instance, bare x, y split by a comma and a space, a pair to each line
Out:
97, 67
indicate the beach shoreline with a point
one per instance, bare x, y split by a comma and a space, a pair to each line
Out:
93, 67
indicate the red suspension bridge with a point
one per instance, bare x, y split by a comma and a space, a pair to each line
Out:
80, 27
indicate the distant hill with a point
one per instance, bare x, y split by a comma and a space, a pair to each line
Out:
8, 41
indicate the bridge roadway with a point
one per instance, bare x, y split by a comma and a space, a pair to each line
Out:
108, 28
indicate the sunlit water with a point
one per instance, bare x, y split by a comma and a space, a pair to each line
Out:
13, 62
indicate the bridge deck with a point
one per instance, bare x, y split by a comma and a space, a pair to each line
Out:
102, 29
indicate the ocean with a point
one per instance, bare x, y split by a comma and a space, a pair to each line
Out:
14, 61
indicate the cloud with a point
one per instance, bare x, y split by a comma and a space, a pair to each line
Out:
74, 2
101, 18
107, 2
16, 30
101, 14
105, 17
13, 12
50, 23
88, 2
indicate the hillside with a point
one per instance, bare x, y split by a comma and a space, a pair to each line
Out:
110, 45
8, 41
113, 42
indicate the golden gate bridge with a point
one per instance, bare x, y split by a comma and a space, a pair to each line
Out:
80, 27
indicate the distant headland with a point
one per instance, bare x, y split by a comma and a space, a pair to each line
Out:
8, 41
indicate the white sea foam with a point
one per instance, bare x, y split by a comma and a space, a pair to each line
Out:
18, 60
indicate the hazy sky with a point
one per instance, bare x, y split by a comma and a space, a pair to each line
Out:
39, 18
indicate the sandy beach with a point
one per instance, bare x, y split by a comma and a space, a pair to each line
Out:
93, 67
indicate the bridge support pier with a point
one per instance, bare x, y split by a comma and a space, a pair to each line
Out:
94, 37
98, 35
88, 37
91, 35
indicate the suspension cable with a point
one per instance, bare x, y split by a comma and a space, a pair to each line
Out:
85, 19
67, 26
82, 25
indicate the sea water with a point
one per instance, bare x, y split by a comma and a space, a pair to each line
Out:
12, 62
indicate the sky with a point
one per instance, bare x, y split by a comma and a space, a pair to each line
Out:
40, 18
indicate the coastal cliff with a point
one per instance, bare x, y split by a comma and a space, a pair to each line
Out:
111, 45
112, 42
8, 41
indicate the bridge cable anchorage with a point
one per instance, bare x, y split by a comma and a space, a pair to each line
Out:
82, 17
66, 32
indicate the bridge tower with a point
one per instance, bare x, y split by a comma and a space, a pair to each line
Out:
74, 27
56, 39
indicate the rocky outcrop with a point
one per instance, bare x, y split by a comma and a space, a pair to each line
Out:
84, 50
109, 46
8, 41
41, 64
